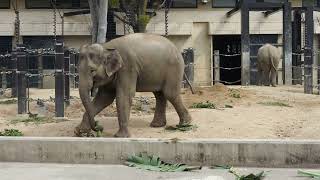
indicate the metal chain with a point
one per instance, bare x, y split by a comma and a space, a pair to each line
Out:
55, 21
166, 12
17, 26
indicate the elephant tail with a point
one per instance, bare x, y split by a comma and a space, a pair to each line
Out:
274, 67
191, 88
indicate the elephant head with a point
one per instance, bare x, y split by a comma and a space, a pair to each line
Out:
97, 66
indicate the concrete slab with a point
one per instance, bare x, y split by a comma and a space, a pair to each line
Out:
206, 152
34, 171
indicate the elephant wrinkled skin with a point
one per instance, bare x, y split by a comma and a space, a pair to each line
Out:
133, 63
268, 60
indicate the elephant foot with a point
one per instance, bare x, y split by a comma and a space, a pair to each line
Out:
158, 123
273, 85
82, 132
185, 121
124, 133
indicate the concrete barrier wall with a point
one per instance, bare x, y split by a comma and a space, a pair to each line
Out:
258, 153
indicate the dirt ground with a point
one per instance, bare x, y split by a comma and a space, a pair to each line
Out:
241, 112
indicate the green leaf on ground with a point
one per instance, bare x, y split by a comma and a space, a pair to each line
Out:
228, 106
183, 128
274, 103
206, 104
153, 163
11, 132
250, 176
314, 175
9, 101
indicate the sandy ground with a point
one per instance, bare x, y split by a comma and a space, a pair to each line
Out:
247, 118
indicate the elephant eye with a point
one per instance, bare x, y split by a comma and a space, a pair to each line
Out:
91, 56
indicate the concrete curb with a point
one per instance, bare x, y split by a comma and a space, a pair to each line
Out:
257, 153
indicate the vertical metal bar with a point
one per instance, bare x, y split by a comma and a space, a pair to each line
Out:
296, 46
59, 80
72, 69
67, 77
308, 60
287, 44
40, 71
21, 79
4, 68
245, 40
216, 66
14, 69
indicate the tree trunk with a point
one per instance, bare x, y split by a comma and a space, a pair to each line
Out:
94, 20
98, 11
102, 30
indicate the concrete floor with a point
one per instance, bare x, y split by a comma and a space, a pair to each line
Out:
34, 171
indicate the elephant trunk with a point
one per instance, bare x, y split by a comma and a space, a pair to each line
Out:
85, 85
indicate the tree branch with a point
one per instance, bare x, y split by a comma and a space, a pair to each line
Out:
123, 20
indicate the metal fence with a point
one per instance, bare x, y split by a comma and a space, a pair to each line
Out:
24, 68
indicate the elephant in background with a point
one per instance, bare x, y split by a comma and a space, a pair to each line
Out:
268, 60
133, 63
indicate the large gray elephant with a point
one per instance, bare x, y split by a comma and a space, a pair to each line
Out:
133, 63
268, 60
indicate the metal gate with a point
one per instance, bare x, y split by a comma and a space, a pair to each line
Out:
229, 47
256, 41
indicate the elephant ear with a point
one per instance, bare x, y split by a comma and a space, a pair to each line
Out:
113, 61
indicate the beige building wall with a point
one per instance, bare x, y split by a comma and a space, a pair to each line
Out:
202, 56
76, 41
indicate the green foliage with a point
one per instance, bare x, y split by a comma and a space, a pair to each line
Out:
187, 127
228, 106
11, 132
250, 176
314, 175
31, 119
234, 93
114, 3
153, 163
9, 101
143, 20
270, 103
99, 129
207, 104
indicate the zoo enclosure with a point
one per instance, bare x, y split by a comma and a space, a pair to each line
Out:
298, 59
23, 68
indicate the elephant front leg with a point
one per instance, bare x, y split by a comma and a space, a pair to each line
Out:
124, 101
101, 101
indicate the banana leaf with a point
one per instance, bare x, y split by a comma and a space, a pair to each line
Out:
153, 163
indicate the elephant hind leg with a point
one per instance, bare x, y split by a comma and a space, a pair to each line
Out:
273, 77
102, 99
174, 98
259, 77
159, 119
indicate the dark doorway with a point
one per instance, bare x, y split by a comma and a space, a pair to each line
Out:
229, 45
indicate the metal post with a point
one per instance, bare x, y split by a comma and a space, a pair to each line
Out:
287, 44
21, 79
245, 40
14, 75
216, 67
40, 71
4, 75
308, 59
72, 70
296, 46
67, 77
59, 80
